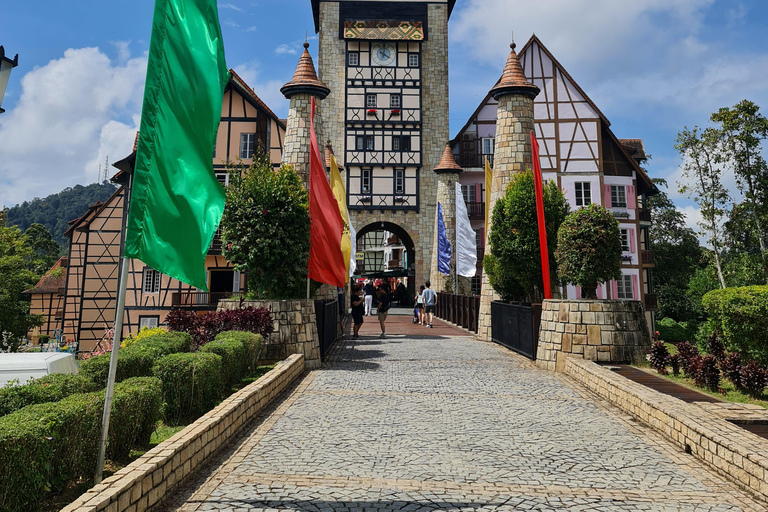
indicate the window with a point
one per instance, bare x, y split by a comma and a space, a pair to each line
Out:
370, 100
479, 242
394, 101
618, 196
401, 143
413, 60
399, 181
359, 142
223, 178
625, 240
488, 143
366, 178
583, 193
624, 286
369, 143
354, 58
151, 280
246, 144
468, 191
150, 322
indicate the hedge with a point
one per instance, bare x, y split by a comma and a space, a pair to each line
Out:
192, 385
741, 316
45, 446
137, 359
672, 331
233, 360
252, 344
50, 388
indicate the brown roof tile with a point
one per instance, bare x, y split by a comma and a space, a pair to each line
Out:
513, 79
448, 162
305, 78
50, 283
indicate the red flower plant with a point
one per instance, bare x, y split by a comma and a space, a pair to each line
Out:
371, 111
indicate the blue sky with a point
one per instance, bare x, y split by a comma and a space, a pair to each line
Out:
652, 66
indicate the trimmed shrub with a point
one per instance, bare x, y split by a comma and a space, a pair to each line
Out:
233, 360
741, 315
731, 366
672, 331
191, 384
252, 344
687, 353
709, 373
659, 357
143, 333
204, 328
754, 378
137, 406
674, 362
50, 388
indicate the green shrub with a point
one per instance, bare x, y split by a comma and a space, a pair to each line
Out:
741, 315
192, 384
233, 360
137, 359
252, 344
137, 406
672, 331
50, 388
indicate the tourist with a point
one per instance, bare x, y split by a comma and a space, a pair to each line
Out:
383, 307
430, 300
420, 305
368, 288
358, 309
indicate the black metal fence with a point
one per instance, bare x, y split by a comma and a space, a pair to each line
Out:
516, 326
462, 310
326, 312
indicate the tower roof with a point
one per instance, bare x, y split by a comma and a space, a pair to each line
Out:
513, 79
328, 153
305, 79
448, 162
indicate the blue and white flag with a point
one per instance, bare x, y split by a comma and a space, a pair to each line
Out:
443, 245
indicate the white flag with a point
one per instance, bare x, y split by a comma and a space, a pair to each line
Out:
466, 245
353, 254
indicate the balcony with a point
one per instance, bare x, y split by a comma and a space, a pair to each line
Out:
646, 258
216, 244
201, 300
644, 215
393, 264
472, 160
476, 210
650, 302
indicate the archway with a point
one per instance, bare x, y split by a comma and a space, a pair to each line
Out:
385, 250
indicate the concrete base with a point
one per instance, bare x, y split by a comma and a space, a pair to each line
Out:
596, 330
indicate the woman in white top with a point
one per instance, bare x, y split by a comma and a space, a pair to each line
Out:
420, 304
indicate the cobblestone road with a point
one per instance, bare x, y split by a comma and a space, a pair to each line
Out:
451, 423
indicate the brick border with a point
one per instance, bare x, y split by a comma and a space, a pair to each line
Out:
722, 445
144, 483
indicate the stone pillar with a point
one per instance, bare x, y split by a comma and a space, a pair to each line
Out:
447, 174
512, 155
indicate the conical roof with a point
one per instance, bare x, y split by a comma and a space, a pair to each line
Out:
448, 162
305, 79
513, 79
328, 153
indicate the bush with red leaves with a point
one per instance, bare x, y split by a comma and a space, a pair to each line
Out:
674, 361
731, 366
694, 370
715, 346
754, 378
687, 353
659, 357
708, 373
203, 328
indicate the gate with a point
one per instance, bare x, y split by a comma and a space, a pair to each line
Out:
516, 326
326, 312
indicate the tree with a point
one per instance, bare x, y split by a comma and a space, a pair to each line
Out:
17, 263
743, 129
703, 167
45, 248
265, 228
514, 265
589, 248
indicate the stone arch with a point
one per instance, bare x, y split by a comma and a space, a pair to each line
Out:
406, 240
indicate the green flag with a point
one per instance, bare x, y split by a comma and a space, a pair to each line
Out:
176, 200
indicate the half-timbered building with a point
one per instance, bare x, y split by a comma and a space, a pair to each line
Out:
47, 301
579, 151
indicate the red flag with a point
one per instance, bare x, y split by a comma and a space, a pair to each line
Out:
540, 216
326, 261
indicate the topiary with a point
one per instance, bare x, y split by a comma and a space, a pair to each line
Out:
50, 388
659, 357
192, 385
589, 248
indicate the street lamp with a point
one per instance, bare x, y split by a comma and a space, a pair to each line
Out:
6, 65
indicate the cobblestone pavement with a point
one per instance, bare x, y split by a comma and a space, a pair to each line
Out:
450, 423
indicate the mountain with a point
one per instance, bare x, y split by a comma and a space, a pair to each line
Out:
55, 210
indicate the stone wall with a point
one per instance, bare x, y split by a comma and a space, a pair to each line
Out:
143, 484
725, 447
597, 330
446, 196
295, 329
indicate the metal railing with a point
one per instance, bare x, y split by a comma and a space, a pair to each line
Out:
646, 257
201, 300
472, 160
462, 310
644, 214
516, 326
476, 210
326, 315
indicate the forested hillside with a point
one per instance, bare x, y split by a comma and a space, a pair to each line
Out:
56, 210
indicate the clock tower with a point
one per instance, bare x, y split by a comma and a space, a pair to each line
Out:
386, 64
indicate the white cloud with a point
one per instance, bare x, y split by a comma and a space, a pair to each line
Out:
71, 113
268, 91
230, 6
231, 23
285, 49
251, 29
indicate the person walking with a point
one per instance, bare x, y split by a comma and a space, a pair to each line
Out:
368, 289
358, 309
384, 302
420, 304
430, 300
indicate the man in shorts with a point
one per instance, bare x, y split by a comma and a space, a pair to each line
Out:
384, 302
430, 300
358, 309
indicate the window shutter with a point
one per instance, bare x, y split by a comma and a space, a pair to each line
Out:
635, 287
599, 291
578, 292
631, 197
631, 240
607, 194
614, 289
236, 282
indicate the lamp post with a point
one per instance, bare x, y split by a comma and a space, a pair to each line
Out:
6, 65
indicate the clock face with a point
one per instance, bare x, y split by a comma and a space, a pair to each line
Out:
383, 54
